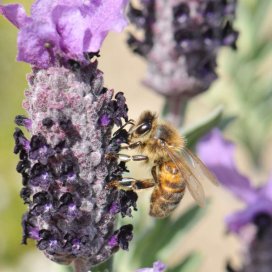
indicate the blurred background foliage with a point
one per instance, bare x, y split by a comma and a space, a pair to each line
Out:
244, 89
248, 92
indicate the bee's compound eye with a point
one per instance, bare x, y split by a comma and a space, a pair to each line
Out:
143, 128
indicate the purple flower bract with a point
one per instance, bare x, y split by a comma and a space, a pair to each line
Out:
157, 267
63, 29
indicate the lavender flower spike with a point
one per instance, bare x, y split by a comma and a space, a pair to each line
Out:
181, 40
64, 167
71, 211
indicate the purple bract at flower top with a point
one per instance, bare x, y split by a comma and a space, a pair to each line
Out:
181, 40
64, 164
157, 267
59, 30
218, 154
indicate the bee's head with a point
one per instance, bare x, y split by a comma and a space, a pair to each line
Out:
143, 126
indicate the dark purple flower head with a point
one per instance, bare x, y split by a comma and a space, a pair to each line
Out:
65, 169
218, 154
60, 30
157, 267
180, 42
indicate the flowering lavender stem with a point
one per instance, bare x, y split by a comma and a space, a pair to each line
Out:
79, 266
174, 110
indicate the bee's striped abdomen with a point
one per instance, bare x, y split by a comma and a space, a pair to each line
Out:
168, 192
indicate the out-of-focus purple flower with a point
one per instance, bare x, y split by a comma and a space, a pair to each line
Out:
157, 267
60, 30
218, 154
180, 42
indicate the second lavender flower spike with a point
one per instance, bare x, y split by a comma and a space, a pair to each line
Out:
181, 40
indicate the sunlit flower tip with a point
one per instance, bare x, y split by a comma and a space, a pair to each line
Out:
50, 35
21, 120
218, 154
157, 267
121, 238
64, 166
180, 41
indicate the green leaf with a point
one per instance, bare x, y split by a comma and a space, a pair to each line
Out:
189, 264
163, 232
195, 132
260, 15
226, 121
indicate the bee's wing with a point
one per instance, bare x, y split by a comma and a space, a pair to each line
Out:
192, 180
198, 167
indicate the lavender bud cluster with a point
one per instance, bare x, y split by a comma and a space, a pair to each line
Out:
180, 40
71, 212
257, 255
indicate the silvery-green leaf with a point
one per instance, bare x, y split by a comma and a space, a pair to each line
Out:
196, 131
163, 232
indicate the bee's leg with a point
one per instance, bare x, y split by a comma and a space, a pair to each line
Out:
131, 184
127, 158
131, 146
129, 122
154, 173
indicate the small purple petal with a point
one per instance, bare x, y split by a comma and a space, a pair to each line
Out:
218, 155
15, 13
104, 120
115, 208
33, 233
113, 242
38, 44
107, 16
157, 267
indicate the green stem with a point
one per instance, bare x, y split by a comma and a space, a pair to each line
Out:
174, 110
80, 265
104, 267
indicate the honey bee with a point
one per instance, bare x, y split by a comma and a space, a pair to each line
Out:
174, 166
